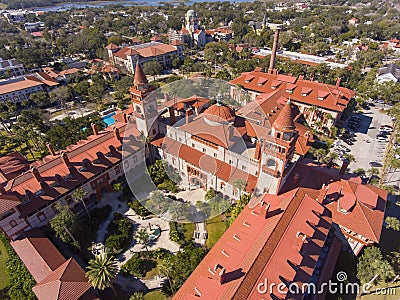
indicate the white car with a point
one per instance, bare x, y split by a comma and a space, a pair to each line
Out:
382, 139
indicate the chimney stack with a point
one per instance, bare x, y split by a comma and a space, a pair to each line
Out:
50, 148
171, 115
36, 174
94, 128
257, 154
345, 164
277, 28
266, 210
220, 275
117, 134
188, 114
338, 82
64, 157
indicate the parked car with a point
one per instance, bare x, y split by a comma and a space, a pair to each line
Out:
381, 138
375, 164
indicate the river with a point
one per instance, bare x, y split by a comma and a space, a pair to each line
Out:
100, 4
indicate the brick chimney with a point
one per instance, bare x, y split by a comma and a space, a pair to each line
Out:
36, 174
125, 118
188, 114
50, 148
257, 154
117, 134
345, 164
219, 273
94, 128
64, 157
338, 82
266, 210
277, 29
171, 115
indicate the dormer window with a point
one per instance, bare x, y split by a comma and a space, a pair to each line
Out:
261, 81
322, 95
248, 78
275, 84
290, 88
305, 91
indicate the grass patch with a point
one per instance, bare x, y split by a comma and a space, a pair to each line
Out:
3, 259
189, 231
215, 228
155, 295
152, 268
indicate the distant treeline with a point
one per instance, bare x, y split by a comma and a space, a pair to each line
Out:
17, 4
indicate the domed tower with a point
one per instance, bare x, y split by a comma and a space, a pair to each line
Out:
191, 21
278, 149
145, 109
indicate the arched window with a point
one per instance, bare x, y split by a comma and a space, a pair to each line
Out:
271, 164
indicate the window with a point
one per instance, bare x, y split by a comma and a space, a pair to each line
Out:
41, 217
193, 145
204, 150
68, 199
180, 139
215, 154
13, 223
244, 168
230, 161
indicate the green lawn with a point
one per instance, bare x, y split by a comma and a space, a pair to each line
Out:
3, 257
155, 295
216, 228
189, 231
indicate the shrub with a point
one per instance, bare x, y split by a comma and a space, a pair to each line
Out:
119, 234
159, 253
174, 236
134, 266
138, 208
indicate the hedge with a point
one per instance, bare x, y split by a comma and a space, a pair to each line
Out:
19, 281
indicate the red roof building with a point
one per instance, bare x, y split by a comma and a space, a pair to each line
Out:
330, 100
56, 277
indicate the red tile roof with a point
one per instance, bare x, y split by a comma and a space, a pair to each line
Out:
12, 165
218, 113
284, 121
58, 179
299, 86
140, 77
67, 282
38, 254
8, 202
252, 248
112, 47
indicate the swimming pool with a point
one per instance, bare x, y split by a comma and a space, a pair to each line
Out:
109, 120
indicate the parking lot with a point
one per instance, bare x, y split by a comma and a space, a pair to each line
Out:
364, 144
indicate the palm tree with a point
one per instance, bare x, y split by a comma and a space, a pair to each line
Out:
319, 154
63, 224
117, 187
102, 271
78, 196
372, 172
143, 237
165, 268
136, 296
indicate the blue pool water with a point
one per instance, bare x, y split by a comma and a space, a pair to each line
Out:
109, 120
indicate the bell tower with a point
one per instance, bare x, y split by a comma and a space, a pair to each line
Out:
278, 150
145, 108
